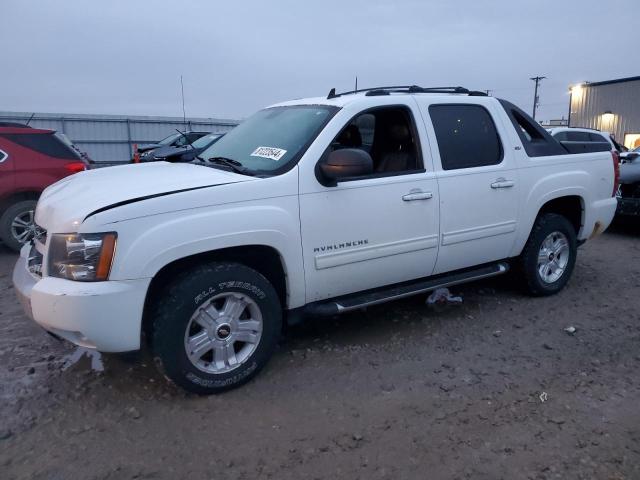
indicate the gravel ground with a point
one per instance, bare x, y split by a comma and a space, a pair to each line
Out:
492, 389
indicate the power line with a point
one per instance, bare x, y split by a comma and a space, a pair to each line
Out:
536, 100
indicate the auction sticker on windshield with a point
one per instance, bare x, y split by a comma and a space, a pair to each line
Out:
272, 153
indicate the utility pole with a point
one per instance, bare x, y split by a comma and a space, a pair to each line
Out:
535, 94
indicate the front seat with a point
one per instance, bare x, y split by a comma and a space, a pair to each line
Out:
350, 137
399, 153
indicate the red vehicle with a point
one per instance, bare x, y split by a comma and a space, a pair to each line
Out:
31, 159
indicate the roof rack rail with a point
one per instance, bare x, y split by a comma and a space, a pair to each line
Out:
374, 91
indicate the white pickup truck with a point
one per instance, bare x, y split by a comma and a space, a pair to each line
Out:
315, 206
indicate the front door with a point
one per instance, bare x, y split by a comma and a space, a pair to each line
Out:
378, 230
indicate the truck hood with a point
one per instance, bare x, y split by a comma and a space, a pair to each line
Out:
64, 205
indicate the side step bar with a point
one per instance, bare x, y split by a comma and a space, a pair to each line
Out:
376, 296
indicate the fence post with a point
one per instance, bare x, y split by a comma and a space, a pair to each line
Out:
131, 149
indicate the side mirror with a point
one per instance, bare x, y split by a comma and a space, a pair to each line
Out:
345, 163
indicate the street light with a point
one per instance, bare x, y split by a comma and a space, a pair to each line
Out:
577, 91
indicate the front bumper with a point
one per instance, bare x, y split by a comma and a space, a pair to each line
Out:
106, 316
628, 206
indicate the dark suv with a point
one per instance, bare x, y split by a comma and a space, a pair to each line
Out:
174, 140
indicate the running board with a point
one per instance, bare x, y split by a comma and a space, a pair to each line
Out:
376, 296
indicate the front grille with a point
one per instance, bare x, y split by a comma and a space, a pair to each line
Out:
39, 234
38, 246
34, 262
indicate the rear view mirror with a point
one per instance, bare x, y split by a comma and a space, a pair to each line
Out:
345, 163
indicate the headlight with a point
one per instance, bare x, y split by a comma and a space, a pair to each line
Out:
84, 257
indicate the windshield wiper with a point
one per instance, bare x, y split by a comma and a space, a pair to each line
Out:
234, 165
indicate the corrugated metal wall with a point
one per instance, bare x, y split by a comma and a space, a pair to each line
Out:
589, 104
110, 138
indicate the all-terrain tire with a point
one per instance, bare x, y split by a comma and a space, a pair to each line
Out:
24, 208
196, 290
552, 228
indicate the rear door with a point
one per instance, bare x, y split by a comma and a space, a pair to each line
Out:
477, 179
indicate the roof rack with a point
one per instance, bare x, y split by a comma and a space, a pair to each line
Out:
375, 91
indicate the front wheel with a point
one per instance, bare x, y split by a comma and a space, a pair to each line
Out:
549, 256
215, 327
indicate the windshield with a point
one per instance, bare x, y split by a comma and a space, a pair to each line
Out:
206, 140
170, 139
272, 139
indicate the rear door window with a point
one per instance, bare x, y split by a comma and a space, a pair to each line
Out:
467, 136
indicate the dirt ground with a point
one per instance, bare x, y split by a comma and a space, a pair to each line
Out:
492, 389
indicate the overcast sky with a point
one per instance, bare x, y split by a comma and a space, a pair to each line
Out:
126, 57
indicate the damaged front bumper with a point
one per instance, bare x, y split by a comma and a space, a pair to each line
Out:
106, 316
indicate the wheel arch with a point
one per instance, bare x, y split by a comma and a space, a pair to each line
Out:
569, 203
264, 259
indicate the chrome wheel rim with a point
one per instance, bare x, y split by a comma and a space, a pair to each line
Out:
553, 257
223, 332
22, 227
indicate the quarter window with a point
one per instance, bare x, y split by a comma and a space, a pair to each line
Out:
467, 136
597, 138
3, 156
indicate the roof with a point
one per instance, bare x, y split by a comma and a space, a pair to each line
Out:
610, 82
346, 98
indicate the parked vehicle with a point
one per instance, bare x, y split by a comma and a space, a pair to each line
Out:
630, 155
578, 140
182, 153
30, 160
174, 140
315, 206
629, 190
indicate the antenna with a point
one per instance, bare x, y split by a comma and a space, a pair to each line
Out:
30, 118
184, 115
356, 83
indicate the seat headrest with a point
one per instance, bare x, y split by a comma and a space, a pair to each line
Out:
350, 137
400, 133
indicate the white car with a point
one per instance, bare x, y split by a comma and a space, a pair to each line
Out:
315, 206
583, 137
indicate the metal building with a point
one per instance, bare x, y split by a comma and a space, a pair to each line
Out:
611, 106
110, 138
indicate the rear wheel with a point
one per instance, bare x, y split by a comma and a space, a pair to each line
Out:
215, 327
549, 256
16, 224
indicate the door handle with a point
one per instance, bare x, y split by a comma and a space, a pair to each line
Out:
503, 183
417, 195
